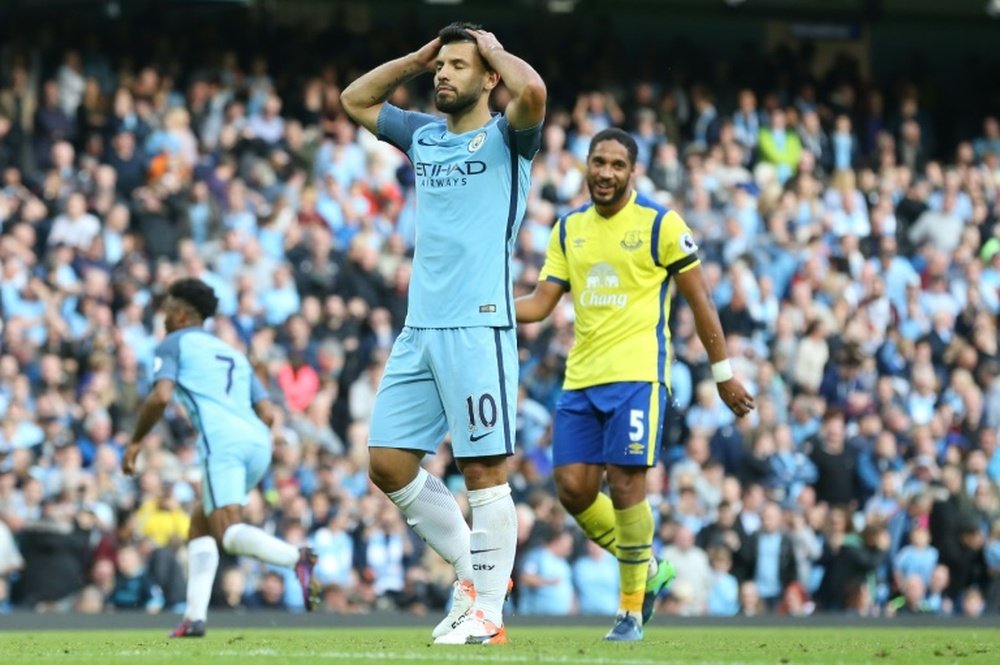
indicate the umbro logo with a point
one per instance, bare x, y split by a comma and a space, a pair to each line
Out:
473, 437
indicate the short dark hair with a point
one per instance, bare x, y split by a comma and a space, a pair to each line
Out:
458, 32
197, 294
615, 134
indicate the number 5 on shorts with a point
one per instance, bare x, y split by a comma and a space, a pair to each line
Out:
636, 425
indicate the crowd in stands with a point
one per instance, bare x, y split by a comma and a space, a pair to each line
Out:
853, 257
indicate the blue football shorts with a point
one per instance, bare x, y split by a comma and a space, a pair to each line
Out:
229, 472
441, 380
614, 423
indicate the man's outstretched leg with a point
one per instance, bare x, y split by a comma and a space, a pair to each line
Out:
238, 538
431, 510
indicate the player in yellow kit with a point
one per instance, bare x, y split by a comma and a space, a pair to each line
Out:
617, 255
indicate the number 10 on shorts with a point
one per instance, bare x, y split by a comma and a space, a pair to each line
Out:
485, 408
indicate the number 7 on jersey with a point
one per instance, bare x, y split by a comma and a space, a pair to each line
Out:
231, 365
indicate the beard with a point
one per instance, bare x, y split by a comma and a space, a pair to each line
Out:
617, 193
455, 102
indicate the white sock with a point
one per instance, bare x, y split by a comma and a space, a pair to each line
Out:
431, 510
251, 541
493, 544
203, 561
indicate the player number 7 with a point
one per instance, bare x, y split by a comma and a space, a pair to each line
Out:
229, 371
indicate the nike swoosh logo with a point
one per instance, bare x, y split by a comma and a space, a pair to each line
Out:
495, 549
426, 143
481, 436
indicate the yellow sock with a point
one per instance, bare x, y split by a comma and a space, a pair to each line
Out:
598, 522
634, 540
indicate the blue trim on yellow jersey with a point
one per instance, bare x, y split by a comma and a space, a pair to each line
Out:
564, 220
511, 220
661, 333
654, 242
654, 238
507, 438
561, 282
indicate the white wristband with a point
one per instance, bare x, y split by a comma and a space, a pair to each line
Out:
722, 371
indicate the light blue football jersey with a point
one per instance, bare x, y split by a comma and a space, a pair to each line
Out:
472, 189
216, 385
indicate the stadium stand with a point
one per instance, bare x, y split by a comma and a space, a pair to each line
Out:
849, 227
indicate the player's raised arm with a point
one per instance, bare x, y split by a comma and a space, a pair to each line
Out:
363, 99
691, 284
527, 89
539, 303
149, 414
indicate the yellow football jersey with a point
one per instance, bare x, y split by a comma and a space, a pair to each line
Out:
618, 270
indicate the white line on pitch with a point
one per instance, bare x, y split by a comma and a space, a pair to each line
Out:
488, 655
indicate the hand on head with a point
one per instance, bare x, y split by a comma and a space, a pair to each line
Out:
486, 41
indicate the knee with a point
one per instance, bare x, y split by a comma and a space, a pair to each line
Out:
381, 476
484, 473
389, 475
219, 527
626, 487
575, 493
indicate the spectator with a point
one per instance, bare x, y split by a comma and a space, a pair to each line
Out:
796, 602
746, 120
76, 228
835, 463
937, 600
780, 146
768, 558
335, 550
58, 541
693, 571
724, 597
918, 559
162, 519
913, 599
133, 588
989, 142
707, 125
750, 603
595, 580
547, 579
850, 559
299, 382
270, 594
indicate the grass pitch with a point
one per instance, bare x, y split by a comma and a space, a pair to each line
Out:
575, 646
